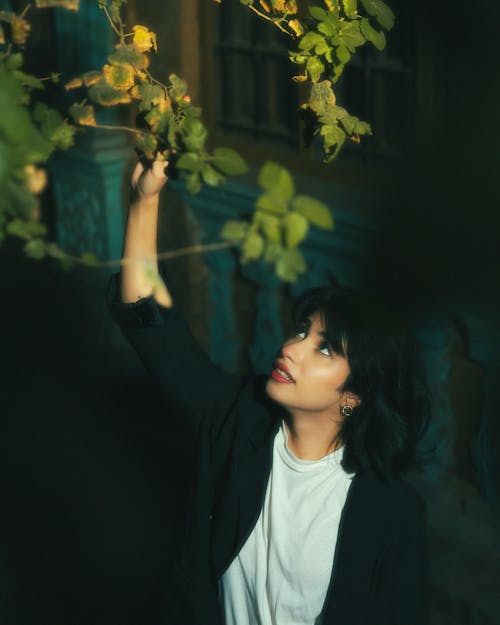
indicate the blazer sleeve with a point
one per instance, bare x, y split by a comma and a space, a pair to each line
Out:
195, 388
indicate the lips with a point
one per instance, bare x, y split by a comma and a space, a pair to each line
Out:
281, 374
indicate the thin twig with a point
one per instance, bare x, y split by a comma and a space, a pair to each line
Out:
269, 19
183, 251
110, 20
134, 131
26, 9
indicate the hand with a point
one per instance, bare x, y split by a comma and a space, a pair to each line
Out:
148, 181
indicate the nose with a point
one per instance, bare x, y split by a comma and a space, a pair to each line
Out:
291, 350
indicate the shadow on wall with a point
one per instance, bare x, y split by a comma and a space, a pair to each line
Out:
88, 508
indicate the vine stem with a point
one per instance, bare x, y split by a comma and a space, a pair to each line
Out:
134, 131
110, 20
26, 9
269, 19
183, 251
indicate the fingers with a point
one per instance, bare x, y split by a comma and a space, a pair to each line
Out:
159, 168
137, 173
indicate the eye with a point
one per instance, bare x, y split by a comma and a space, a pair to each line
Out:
325, 349
301, 331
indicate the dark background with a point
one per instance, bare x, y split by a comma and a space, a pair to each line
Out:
88, 462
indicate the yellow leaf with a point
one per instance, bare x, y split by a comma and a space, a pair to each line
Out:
90, 78
19, 30
300, 78
83, 114
296, 26
65, 4
144, 39
73, 84
291, 7
36, 179
278, 5
120, 77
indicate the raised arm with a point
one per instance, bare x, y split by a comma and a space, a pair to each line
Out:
196, 390
140, 247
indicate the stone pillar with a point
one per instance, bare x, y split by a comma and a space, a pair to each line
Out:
88, 180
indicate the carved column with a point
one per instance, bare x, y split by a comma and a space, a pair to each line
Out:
88, 179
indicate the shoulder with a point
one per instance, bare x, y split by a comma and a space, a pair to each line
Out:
397, 495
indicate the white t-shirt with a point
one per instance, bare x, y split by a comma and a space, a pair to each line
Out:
282, 572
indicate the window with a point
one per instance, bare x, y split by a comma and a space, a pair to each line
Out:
252, 103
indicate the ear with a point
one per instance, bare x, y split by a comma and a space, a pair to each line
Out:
351, 399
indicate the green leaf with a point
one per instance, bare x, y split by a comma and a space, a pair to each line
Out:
234, 230
229, 162
290, 265
297, 58
147, 143
269, 225
373, 36
127, 55
332, 114
178, 88
318, 13
105, 95
314, 211
14, 61
296, 227
272, 252
343, 54
161, 121
27, 80
350, 7
193, 183
36, 249
362, 128
252, 248
82, 114
149, 95
321, 96
309, 40
53, 127
323, 48
380, 11
194, 135
277, 180
210, 175
64, 136
337, 72
328, 29
351, 36
189, 161
334, 138
272, 203
315, 68
25, 229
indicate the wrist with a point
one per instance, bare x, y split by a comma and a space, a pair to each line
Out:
144, 200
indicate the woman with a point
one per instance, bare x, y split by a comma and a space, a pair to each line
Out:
298, 514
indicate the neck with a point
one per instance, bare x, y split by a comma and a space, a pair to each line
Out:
312, 439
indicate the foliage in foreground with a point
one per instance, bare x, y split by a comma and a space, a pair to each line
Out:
170, 125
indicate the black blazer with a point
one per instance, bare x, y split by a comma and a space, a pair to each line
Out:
379, 569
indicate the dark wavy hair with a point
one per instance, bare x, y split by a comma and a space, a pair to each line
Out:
386, 373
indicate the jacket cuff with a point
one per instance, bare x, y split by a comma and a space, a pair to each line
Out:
141, 314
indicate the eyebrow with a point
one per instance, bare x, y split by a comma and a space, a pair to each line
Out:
322, 333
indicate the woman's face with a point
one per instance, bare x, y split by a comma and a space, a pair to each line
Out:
308, 376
